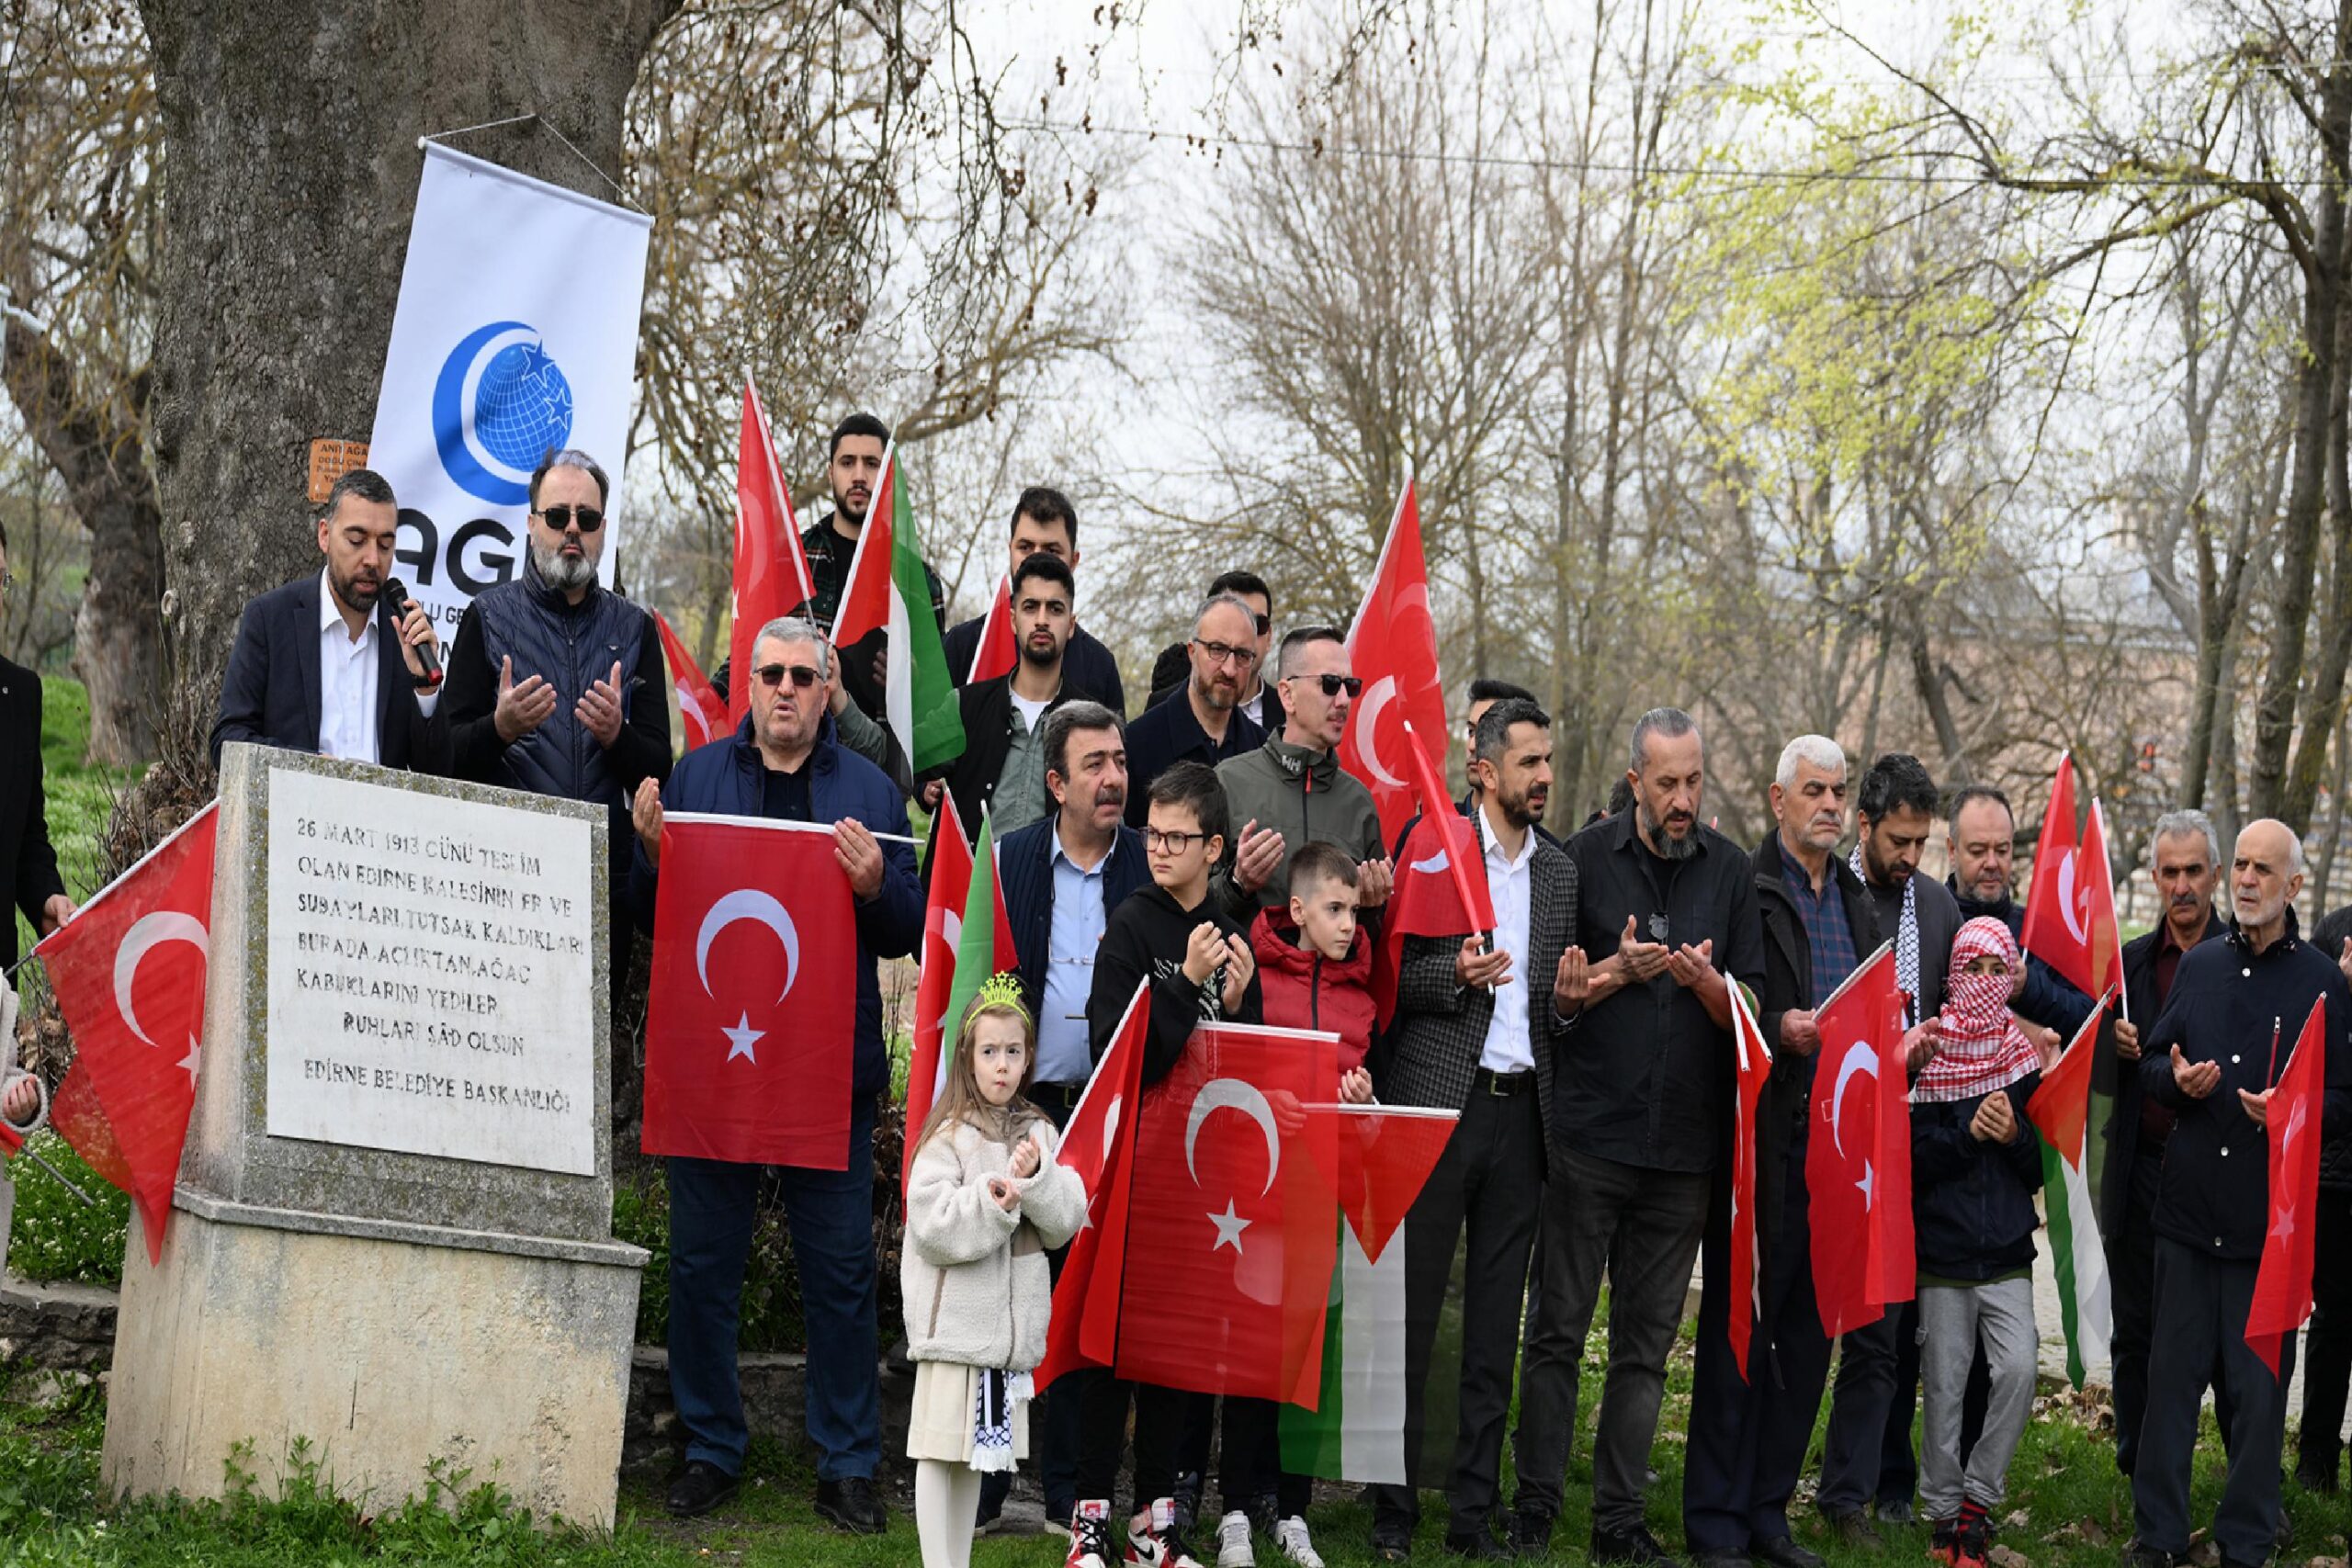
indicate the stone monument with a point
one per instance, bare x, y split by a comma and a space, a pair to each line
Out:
392, 1234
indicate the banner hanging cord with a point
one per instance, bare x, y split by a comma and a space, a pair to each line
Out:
534, 117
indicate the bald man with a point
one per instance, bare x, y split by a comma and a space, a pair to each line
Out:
2213, 1058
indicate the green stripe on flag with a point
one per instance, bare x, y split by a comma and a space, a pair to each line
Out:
975, 944
921, 688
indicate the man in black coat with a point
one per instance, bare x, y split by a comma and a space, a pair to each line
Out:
2185, 857
2328, 1374
1044, 522
2214, 1058
28, 862
328, 663
1748, 1438
1259, 702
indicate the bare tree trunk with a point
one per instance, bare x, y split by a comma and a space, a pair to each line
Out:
278, 286
2323, 879
2315, 397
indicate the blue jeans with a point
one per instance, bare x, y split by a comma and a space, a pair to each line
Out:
713, 1209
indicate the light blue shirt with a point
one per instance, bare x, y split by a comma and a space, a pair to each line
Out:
1065, 1055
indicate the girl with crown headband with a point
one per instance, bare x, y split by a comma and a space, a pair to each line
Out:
986, 1200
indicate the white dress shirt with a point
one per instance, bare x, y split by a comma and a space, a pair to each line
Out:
1509, 883
348, 683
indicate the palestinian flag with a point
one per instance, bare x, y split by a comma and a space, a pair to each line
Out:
966, 937
2060, 1111
1357, 1430
888, 590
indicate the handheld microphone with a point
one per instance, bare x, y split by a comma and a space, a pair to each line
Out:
428, 655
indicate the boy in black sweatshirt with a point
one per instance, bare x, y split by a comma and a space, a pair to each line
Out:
1201, 970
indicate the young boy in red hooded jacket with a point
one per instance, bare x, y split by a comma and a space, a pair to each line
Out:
1316, 968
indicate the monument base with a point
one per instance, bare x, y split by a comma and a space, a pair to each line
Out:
387, 1345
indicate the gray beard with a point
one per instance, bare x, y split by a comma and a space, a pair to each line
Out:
1667, 846
562, 572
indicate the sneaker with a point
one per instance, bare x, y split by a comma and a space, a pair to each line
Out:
1159, 1543
1974, 1540
700, 1487
1943, 1542
1635, 1546
1290, 1535
1092, 1544
1186, 1497
1233, 1548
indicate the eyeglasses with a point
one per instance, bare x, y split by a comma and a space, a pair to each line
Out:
1171, 844
1334, 685
562, 517
772, 676
1225, 653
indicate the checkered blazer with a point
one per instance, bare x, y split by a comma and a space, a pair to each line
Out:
1440, 1027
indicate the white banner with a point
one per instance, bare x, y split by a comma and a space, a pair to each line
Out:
515, 336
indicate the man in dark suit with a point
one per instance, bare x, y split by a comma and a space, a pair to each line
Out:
326, 663
1479, 1019
28, 864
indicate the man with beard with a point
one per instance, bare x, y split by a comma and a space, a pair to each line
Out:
2213, 1058
1044, 522
1749, 1436
1291, 792
1202, 723
1003, 761
2186, 856
1481, 1018
556, 684
1257, 698
1667, 919
1982, 838
326, 663
1062, 877
1867, 1457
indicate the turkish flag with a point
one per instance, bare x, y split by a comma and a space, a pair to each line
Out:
2069, 904
1099, 1145
751, 1017
996, 653
771, 569
1857, 1154
1232, 1187
1746, 1280
699, 709
129, 974
2282, 1286
1441, 883
1391, 645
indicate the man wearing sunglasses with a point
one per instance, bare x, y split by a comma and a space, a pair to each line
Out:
556, 684
1202, 723
330, 664
1258, 699
1291, 791
783, 763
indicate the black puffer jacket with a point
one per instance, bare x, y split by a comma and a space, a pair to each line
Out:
2336, 1151
1972, 1202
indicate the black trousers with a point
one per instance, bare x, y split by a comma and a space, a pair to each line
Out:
2201, 1306
1748, 1438
1487, 1182
1867, 1456
1102, 1437
2328, 1342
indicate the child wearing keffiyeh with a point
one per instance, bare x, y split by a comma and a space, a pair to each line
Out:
1975, 1164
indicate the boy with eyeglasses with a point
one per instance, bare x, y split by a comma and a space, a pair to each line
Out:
1201, 970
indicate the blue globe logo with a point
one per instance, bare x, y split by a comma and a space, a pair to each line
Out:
500, 404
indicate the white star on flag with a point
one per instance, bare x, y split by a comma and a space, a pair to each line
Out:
2286, 1225
1229, 1226
1869, 1198
189, 1061
741, 1038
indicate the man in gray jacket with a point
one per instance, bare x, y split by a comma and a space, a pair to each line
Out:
1291, 792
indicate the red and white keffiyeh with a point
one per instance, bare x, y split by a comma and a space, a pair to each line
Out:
1980, 1047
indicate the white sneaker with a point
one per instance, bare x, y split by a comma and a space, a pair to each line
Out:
1233, 1542
1291, 1536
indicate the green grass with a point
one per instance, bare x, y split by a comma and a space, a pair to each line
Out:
2076, 1510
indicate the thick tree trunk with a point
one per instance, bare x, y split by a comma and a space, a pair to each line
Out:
290, 130
2315, 385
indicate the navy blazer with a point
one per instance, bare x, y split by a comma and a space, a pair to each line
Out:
270, 693
1024, 868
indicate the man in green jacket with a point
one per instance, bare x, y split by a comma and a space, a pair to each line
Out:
1291, 791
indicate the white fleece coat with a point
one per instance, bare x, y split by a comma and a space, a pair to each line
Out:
974, 1279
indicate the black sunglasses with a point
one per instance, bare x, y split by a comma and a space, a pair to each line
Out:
772, 675
562, 517
1334, 685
